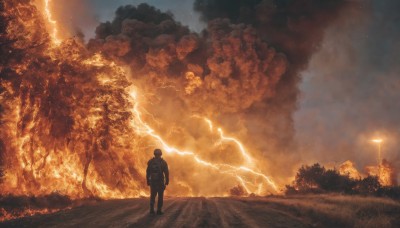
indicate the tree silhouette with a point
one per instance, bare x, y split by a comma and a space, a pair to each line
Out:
368, 185
309, 177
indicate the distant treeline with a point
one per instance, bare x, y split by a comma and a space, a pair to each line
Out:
317, 179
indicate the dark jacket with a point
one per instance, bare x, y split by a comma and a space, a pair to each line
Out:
157, 168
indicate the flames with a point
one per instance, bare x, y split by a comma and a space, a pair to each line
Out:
52, 23
348, 168
384, 171
5, 215
76, 124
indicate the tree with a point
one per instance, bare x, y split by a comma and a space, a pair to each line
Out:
332, 181
309, 177
316, 178
368, 185
237, 191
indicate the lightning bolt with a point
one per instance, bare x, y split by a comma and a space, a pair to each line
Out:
142, 127
52, 22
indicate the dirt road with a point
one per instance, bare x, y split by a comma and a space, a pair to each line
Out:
215, 212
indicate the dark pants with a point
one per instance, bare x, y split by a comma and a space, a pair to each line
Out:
154, 190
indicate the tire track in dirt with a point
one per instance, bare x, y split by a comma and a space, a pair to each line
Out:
207, 216
274, 211
233, 215
264, 215
185, 218
146, 220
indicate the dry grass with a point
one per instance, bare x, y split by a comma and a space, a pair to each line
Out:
340, 210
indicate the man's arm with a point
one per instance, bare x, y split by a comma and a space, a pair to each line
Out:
166, 173
148, 173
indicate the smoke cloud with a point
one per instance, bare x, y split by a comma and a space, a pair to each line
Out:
242, 72
351, 89
228, 62
248, 60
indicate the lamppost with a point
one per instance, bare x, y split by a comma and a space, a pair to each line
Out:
379, 142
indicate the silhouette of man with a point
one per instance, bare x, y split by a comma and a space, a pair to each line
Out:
157, 168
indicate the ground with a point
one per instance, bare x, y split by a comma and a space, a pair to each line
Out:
275, 211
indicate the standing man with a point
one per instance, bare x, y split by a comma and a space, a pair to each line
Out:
157, 168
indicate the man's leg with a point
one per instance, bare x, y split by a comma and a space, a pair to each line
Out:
153, 193
160, 200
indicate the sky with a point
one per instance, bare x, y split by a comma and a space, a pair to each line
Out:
85, 15
351, 90
349, 94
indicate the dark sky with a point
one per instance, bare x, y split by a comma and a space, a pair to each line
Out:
350, 92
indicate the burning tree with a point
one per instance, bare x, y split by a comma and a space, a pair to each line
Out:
75, 121
72, 121
63, 107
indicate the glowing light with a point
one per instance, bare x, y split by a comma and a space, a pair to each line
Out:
209, 123
243, 184
377, 140
58, 165
239, 144
142, 127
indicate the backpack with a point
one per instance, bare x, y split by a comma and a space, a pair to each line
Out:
155, 170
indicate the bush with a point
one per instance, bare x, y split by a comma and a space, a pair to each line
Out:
317, 179
368, 185
237, 191
389, 191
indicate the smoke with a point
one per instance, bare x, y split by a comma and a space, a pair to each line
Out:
228, 62
248, 60
351, 89
241, 72
297, 29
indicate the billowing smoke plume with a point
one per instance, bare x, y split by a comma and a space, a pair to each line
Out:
227, 62
68, 122
242, 70
295, 27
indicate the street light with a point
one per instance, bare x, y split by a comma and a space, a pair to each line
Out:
379, 142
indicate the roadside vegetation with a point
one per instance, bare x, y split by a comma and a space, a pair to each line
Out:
318, 180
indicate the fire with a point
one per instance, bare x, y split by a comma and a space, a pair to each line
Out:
52, 22
142, 127
77, 124
4, 215
348, 168
384, 171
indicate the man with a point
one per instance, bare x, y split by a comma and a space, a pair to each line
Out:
157, 168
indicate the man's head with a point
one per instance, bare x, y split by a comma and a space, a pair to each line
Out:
157, 153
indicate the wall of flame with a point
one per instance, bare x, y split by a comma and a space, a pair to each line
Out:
76, 123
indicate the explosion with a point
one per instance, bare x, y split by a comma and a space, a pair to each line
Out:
73, 121
82, 120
